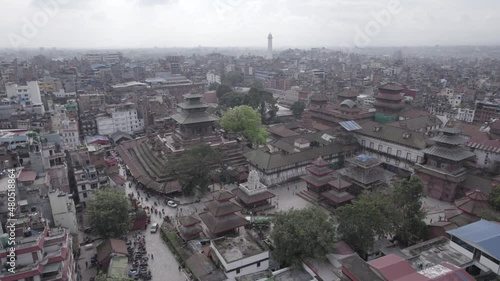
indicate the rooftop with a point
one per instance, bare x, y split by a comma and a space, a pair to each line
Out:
233, 249
483, 235
433, 252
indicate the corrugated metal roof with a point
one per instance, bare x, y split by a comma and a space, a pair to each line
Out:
350, 125
483, 234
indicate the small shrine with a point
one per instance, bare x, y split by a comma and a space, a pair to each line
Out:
221, 214
364, 171
253, 194
189, 228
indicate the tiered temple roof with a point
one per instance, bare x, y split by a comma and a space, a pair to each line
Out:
221, 216
365, 171
389, 100
338, 194
193, 111
189, 228
448, 145
319, 174
474, 203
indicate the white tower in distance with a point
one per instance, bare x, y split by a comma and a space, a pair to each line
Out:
270, 46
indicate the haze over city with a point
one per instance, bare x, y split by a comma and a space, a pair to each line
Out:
238, 23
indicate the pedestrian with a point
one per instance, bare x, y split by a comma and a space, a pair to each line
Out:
179, 268
86, 264
152, 257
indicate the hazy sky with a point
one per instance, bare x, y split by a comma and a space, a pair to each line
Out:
241, 23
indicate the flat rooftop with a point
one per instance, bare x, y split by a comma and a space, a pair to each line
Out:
432, 252
233, 249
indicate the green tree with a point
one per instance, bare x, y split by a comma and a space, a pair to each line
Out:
243, 119
222, 89
109, 213
361, 222
407, 198
213, 86
494, 198
231, 99
299, 234
194, 168
262, 101
233, 78
297, 108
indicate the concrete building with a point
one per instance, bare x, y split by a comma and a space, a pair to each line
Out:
213, 77
485, 111
63, 211
86, 182
123, 119
91, 102
28, 95
70, 134
465, 114
240, 255
41, 254
480, 242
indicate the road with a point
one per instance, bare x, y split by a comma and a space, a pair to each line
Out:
163, 266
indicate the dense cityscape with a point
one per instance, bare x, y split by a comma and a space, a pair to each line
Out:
269, 163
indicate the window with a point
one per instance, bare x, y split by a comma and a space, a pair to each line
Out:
419, 159
408, 156
82, 177
380, 147
238, 271
84, 187
258, 264
397, 162
85, 195
371, 145
398, 153
94, 185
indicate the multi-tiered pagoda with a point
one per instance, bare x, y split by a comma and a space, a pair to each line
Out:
364, 171
318, 177
189, 228
194, 121
338, 194
444, 165
389, 102
222, 215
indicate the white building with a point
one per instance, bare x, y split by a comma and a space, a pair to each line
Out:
465, 114
479, 241
213, 77
396, 147
455, 100
487, 152
87, 181
240, 255
63, 211
69, 132
28, 95
122, 119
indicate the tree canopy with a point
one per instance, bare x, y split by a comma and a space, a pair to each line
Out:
407, 198
222, 89
297, 108
494, 198
243, 119
109, 213
213, 86
231, 99
262, 101
194, 169
361, 222
233, 78
298, 234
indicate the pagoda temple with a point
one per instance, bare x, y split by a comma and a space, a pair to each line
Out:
338, 194
444, 167
389, 102
253, 194
364, 171
193, 122
318, 176
221, 215
474, 203
189, 228
348, 94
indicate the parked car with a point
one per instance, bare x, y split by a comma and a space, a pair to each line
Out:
172, 204
154, 228
133, 272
